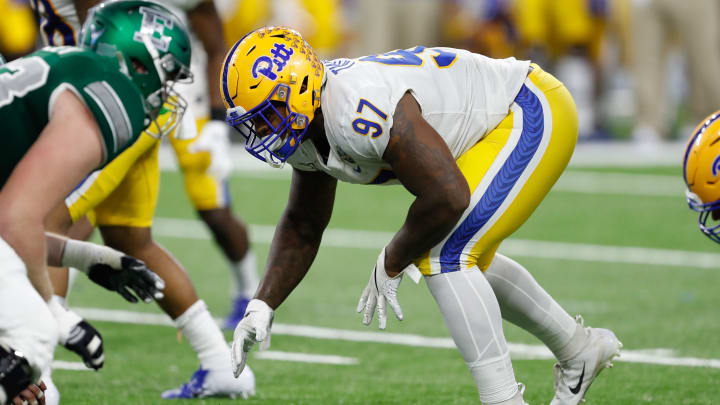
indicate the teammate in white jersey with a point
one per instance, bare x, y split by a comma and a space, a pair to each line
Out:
478, 141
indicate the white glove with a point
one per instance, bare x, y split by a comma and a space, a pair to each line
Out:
379, 289
254, 327
77, 335
214, 138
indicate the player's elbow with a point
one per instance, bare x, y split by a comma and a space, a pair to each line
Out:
449, 204
457, 202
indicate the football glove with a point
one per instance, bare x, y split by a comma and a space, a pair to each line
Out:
114, 270
77, 335
379, 290
254, 327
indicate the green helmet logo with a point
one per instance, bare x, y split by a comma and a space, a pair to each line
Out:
150, 44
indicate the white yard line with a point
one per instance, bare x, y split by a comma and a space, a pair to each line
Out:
517, 350
69, 365
586, 155
306, 358
622, 184
347, 238
264, 355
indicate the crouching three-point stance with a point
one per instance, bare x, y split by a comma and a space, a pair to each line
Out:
478, 141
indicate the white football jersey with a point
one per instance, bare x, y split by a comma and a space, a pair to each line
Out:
462, 95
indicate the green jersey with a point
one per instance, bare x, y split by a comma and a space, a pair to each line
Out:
29, 88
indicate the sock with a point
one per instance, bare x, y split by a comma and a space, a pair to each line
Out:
60, 300
472, 315
204, 336
526, 304
495, 380
245, 275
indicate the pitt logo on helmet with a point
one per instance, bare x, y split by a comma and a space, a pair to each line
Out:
264, 64
270, 82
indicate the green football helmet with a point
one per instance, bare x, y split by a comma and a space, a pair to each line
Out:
151, 46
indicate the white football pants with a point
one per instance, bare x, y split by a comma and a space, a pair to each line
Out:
26, 323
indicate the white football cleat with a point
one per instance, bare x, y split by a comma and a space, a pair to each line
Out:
573, 377
215, 383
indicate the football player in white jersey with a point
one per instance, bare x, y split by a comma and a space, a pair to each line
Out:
478, 141
122, 199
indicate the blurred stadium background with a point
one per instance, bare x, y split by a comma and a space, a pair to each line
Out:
613, 241
640, 70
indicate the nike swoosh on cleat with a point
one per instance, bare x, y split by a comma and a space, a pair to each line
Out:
575, 390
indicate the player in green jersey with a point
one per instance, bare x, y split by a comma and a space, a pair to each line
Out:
65, 112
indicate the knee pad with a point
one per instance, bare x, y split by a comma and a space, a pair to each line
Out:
15, 373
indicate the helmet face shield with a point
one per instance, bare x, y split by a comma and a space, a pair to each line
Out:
270, 134
708, 223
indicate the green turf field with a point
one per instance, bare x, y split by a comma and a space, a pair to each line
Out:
662, 313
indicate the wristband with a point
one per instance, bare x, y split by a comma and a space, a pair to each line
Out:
81, 255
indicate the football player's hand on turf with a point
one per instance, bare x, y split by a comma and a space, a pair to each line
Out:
380, 289
33, 394
254, 327
114, 270
77, 335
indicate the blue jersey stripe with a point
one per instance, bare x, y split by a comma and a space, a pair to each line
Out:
501, 184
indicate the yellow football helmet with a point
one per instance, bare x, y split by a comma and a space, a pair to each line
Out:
270, 83
701, 169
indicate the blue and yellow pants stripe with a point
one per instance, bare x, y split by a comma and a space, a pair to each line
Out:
509, 172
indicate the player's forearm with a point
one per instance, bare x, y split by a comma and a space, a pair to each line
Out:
429, 220
292, 252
